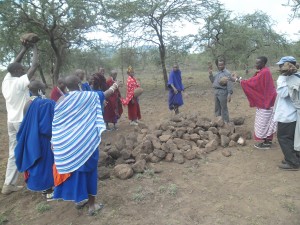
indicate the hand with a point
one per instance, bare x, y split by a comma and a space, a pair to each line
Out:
234, 75
210, 72
229, 98
105, 103
175, 91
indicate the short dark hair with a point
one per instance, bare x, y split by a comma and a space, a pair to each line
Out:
220, 60
13, 67
264, 59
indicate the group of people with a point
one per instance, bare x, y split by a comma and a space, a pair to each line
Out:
276, 108
54, 142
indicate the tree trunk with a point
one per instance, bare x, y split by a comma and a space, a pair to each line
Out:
162, 52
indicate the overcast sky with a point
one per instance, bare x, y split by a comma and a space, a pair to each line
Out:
273, 8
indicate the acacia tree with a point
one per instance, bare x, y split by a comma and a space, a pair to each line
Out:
155, 21
239, 38
60, 25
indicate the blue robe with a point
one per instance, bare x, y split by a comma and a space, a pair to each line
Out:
84, 179
85, 87
175, 99
33, 151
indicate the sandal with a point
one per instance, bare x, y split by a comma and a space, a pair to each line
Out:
81, 205
97, 208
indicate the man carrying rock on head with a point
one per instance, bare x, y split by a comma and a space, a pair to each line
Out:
16, 94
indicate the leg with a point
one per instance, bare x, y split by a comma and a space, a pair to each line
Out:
11, 169
285, 135
224, 109
217, 105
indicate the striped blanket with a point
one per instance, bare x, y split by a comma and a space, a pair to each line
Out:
76, 130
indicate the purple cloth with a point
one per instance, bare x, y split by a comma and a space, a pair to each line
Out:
175, 99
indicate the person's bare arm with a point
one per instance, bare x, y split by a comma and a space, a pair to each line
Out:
34, 64
110, 90
20, 56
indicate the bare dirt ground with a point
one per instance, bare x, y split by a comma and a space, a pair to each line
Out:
244, 189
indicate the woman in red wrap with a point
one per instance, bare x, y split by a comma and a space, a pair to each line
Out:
261, 93
134, 113
113, 109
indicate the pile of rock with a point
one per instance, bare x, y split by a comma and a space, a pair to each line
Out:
182, 137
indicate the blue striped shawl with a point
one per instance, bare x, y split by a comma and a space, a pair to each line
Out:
76, 130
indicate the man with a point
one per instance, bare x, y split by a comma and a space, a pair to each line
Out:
33, 151
16, 94
222, 89
84, 85
75, 139
113, 109
175, 89
261, 93
59, 90
286, 113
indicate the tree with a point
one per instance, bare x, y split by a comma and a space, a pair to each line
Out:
154, 20
60, 25
295, 7
239, 38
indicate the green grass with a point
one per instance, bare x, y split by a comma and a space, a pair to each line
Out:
3, 219
43, 207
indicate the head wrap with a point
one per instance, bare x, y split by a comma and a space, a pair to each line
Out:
130, 69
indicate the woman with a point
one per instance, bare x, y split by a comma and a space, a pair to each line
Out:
134, 113
113, 110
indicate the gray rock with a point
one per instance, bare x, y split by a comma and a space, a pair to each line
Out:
114, 152
234, 137
125, 154
226, 152
139, 166
169, 157
232, 143
213, 129
238, 120
159, 153
123, 171
178, 158
104, 173
195, 137
190, 154
224, 141
164, 138
211, 146
200, 143
224, 131
156, 144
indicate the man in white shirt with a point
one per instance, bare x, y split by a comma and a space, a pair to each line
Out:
16, 94
286, 115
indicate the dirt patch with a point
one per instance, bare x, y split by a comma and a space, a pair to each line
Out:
245, 189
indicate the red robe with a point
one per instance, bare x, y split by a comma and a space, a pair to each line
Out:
260, 89
134, 112
113, 110
56, 93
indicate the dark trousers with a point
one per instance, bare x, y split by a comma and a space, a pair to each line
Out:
221, 108
285, 136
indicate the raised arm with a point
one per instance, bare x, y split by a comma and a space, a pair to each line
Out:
34, 64
20, 56
111, 90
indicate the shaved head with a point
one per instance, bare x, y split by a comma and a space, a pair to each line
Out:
35, 86
80, 73
72, 82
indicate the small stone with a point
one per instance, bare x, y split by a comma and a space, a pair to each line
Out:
226, 153
169, 157
123, 171
241, 141
164, 138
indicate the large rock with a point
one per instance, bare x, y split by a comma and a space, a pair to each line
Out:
164, 138
104, 173
147, 147
232, 143
157, 133
238, 120
224, 131
224, 141
169, 157
190, 154
123, 171
218, 121
211, 146
159, 153
156, 144
234, 137
114, 152
213, 129
201, 144
153, 158
139, 166
125, 154
195, 137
